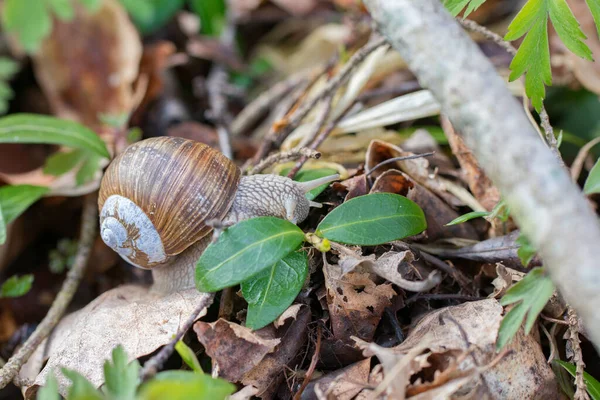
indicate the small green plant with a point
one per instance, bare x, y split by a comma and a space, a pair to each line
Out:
592, 384
529, 297
533, 56
274, 270
122, 382
500, 211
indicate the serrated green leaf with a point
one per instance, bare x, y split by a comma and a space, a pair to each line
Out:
2, 227
456, 6
120, 376
593, 386
594, 6
16, 199
62, 8
33, 128
373, 219
532, 293
88, 169
467, 217
62, 162
309, 175
50, 390
526, 251
244, 250
531, 12
592, 183
16, 286
568, 28
212, 15
270, 292
28, 20
81, 388
184, 385
188, 356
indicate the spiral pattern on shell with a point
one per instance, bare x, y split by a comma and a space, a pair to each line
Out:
156, 197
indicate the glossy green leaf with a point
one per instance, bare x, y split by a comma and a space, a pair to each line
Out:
531, 293
592, 183
81, 388
16, 199
212, 15
593, 386
121, 376
309, 175
16, 286
373, 219
185, 385
2, 227
33, 128
244, 250
594, 6
62, 162
467, 217
188, 356
270, 292
150, 15
526, 251
50, 390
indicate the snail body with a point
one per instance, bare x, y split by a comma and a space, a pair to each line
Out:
157, 197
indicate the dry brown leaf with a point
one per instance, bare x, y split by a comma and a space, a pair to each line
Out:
355, 302
437, 212
226, 341
132, 316
481, 186
343, 384
269, 373
502, 282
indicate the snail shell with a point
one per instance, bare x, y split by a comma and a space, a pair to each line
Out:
156, 197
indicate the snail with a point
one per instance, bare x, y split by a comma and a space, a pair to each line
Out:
158, 197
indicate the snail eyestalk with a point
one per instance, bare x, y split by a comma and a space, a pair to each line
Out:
310, 185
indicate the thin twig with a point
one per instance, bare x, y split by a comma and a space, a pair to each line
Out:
215, 84
580, 386
89, 222
554, 320
313, 364
581, 156
441, 296
331, 87
253, 111
473, 26
284, 156
153, 365
396, 159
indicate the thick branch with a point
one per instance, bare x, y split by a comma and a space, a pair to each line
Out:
548, 206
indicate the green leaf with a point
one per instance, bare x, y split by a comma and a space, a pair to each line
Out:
531, 12
62, 8
592, 183
212, 15
8, 68
81, 389
188, 356
28, 20
532, 293
16, 286
373, 219
594, 6
121, 377
270, 292
16, 199
309, 175
150, 15
568, 28
33, 128
2, 227
50, 390
467, 217
91, 5
593, 386
88, 169
184, 385
456, 6
244, 250
526, 251
60, 163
